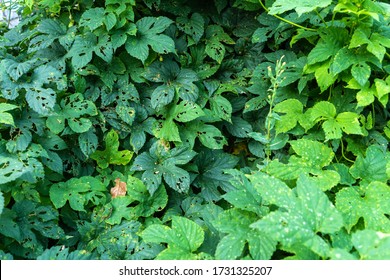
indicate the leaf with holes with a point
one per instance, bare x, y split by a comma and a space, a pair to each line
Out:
41, 100
10, 169
93, 18
111, 154
187, 111
161, 162
78, 191
193, 26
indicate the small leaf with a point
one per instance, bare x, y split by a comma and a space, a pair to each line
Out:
187, 111
120, 188
361, 72
111, 155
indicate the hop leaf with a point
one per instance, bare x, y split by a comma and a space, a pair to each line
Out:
111, 155
183, 239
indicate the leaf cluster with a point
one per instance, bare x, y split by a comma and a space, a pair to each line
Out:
224, 129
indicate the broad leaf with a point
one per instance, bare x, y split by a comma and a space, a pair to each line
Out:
303, 213
211, 168
372, 245
78, 192
370, 203
300, 6
312, 157
149, 31
237, 224
371, 167
183, 239
161, 162
111, 154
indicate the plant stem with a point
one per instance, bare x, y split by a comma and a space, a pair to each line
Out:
286, 20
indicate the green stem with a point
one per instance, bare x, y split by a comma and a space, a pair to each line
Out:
322, 19
342, 152
286, 20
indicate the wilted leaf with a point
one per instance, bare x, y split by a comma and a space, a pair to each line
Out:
119, 189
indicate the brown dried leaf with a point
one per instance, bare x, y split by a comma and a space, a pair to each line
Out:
119, 189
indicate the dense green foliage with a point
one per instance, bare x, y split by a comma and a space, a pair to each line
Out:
242, 129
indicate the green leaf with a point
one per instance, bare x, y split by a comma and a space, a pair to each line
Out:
110, 21
293, 110
162, 96
41, 100
323, 110
167, 130
11, 169
216, 50
366, 95
56, 123
82, 50
111, 154
343, 60
79, 125
88, 142
303, 213
361, 72
371, 167
324, 77
193, 27
92, 18
221, 107
211, 167
160, 162
210, 136
312, 157
236, 223
9, 226
187, 111
148, 34
78, 191
239, 127
372, 245
369, 203
382, 90
16, 69
245, 196
7, 118
147, 204
1, 202
300, 6
349, 123
183, 239
61, 253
